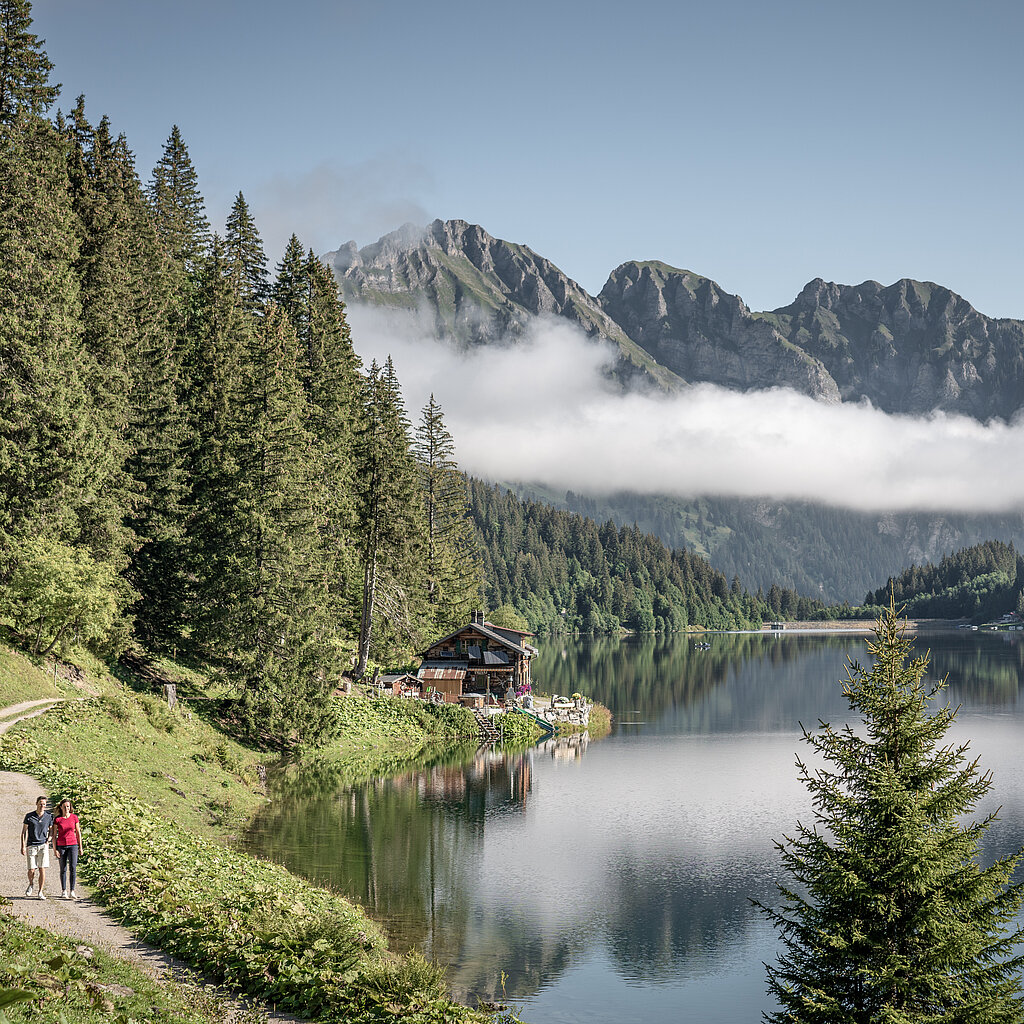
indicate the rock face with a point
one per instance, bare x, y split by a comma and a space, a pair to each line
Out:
702, 333
912, 347
478, 289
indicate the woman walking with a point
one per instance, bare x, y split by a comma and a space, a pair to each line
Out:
67, 844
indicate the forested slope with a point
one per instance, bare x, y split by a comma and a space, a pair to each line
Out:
564, 572
978, 583
191, 455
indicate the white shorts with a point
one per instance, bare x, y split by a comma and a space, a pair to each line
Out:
37, 856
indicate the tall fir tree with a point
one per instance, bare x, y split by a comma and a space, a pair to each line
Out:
46, 424
306, 291
291, 286
157, 424
451, 563
24, 67
389, 518
892, 917
61, 457
108, 274
178, 205
244, 249
215, 374
286, 651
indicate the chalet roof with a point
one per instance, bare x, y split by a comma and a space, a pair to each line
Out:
489, 631
504, 630
436, 673
393, 677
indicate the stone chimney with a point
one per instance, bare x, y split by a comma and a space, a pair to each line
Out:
476, 618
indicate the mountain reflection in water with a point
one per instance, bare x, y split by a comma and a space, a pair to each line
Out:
613, 880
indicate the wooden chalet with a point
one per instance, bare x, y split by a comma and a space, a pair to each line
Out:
479, 658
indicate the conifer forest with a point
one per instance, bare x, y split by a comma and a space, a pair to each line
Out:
194, 459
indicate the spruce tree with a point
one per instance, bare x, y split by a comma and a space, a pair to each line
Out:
290, 290
24, 67
892, 918
389, 517
217, 372
244, 249
47, 428
306, 291
451, 557
108, 274
178, 205
157, 423
287, 660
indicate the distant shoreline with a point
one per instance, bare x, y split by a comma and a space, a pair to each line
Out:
862, 626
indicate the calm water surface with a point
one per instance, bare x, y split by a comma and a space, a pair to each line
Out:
611, 881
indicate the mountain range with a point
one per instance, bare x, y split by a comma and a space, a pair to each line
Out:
911, 347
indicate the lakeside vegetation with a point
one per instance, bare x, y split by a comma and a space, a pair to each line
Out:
978, 583
174, 878
76, 983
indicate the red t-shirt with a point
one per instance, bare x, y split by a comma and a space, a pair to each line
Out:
66, 835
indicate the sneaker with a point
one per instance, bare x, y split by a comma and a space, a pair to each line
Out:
28, 891
42, 895
63, 894
73, 896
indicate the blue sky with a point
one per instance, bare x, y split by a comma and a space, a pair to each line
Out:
758, 143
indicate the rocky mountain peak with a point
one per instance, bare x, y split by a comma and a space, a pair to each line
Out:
912, 346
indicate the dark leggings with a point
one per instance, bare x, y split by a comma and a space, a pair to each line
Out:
68, 858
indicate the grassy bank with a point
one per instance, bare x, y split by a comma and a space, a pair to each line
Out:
78, 984
21, 680
185, 788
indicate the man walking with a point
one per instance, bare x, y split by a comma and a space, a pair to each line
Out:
35, 844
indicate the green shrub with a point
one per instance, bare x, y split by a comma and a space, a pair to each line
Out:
159, 714
56, 592
516, 729
116, 706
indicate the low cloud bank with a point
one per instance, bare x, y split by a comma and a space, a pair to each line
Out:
543, 411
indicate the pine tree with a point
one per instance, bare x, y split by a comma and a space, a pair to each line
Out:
108, 272
285, 651
306, 291
24, 67
46, 423
892, 917
244, 249
290, 290
178, 205
157, 423
451, 557
389, 515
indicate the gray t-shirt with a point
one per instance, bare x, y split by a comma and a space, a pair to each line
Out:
38, 828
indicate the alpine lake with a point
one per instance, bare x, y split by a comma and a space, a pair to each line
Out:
611, 881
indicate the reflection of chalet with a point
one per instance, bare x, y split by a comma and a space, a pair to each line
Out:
478, 658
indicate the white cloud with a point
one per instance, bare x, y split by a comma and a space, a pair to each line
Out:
542, 411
